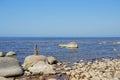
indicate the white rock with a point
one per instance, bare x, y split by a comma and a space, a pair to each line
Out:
51, 60
1, 54
10, 53
52, 79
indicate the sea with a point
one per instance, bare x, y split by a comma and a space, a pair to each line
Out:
89, 48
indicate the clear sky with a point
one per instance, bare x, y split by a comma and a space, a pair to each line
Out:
60, 18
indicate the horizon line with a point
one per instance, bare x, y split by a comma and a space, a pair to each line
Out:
60, 36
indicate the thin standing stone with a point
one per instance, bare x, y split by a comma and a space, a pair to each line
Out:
35, 50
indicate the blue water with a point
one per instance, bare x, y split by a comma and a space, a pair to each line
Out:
89, 48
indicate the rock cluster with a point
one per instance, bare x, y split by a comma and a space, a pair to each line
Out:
39, 64
105, 69
33, 65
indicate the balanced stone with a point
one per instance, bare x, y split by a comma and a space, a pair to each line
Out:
10, 67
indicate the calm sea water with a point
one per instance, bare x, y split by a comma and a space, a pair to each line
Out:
89, 48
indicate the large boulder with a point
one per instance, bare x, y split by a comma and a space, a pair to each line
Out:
51, 60
10, 67
10, 53
69, 45
1, 54
33, 59
41, 67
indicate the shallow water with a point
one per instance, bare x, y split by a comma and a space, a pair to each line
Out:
89, 48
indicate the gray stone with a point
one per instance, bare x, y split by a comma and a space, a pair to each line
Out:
51, 60
41, 67
10, 67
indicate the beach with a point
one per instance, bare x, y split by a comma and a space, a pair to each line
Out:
48, 61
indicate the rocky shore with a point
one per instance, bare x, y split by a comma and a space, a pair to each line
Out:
40, 67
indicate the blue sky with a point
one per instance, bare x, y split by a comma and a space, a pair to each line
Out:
60, 18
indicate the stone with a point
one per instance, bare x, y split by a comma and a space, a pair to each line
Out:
27, 73
10, 53
3, 78
72, 45
1, 54
63, 45
73, 78
59, 63
68, 73
41, 67
117, 74
69, 45
67, 68
51, 60
52, 79
10, 67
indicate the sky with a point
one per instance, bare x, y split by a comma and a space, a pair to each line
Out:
59, 18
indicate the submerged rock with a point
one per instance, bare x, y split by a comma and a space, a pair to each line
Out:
10, 53
72, 45
69, 45
10, 67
